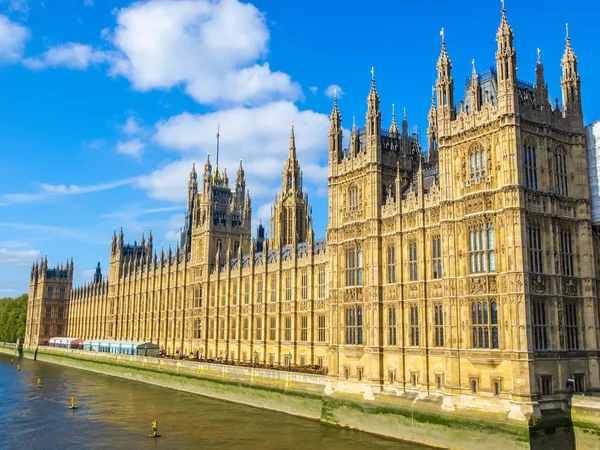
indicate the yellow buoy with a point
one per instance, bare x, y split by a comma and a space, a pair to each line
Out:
12, 361
73, 405
18, 367
154, 430
39, 380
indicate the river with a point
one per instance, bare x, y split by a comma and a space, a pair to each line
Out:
115, 413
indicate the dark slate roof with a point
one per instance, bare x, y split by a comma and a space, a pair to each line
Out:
320, 246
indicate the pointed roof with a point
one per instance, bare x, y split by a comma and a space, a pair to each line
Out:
373, 98
568, 56
240, 171
394, 127
193, 174
504, 29
443, 59
292, 148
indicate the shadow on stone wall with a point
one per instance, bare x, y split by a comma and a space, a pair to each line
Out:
554, 431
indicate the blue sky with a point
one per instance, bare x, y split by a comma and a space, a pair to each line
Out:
104, 105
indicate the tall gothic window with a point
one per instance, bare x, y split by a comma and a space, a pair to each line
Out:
353, 198
482, 253
354, 270
259, 291
272, 328
273, 289
412, 261
477, 162
259, 330
304, 328
566, 253
288, 328
540, 325
233, 329
354, 325
438, 325
288, 288
321, 326
571, 325
234, 294
49, 291
246, 291
484, 324
304, 292
560, 161
535, 248
530, 166
246, 328
414, 326
321, 293
437, 257
391, 262
392, 338
197, 297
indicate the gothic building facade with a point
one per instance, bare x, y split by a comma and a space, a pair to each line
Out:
469, 275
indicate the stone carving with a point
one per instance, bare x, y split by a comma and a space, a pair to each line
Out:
569, 287
492, 285
478, 286
538, 284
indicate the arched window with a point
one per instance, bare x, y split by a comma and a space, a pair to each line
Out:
412, 261
530, 159
484, 324
353, 198
354, 321
391, 263
560, 161
482, 248
474, 386
392, 326
414, 326
354, 267
496, 388
478, 162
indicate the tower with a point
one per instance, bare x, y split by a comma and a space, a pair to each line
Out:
570, 84
291, 218
506, 66
48, 302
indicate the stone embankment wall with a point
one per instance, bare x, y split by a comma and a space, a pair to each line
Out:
403, 417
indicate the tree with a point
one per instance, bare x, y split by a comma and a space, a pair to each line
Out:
13, 316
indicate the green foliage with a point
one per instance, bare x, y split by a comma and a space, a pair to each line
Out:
13, 316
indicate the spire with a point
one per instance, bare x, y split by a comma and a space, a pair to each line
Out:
475, 97
193, 174
432, 155
445, 83
541, 89
570, 81
292, 149
335, 133
373, 98
393, 127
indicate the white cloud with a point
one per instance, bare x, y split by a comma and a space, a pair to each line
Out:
54, 190
132, 148
70, 55
313, 89
12, 40
173, 236
333, 91
213, 48
18, 257
21, 6
132, 126
88, 3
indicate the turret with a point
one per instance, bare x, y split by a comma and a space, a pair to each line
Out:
432, 153
394, 132
570, 83
445, 83
475, 97
373, 121
541, 88
506, 65
335, 134
98, 274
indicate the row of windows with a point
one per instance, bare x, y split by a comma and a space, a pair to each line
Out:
570, 336
258, 329
61, 293
478, 166
436, 248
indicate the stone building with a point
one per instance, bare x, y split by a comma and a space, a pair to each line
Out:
470, 276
